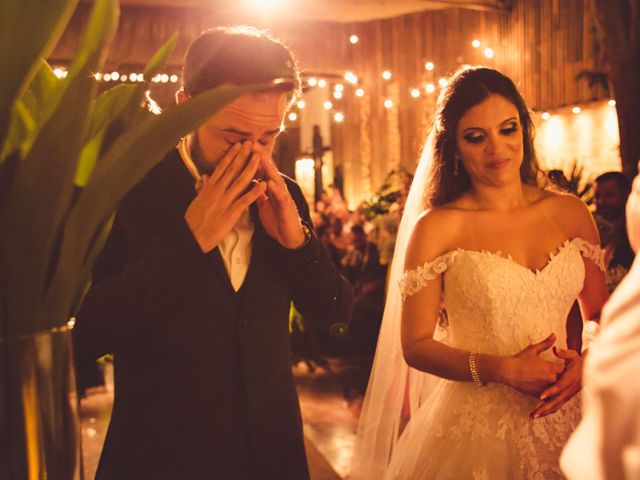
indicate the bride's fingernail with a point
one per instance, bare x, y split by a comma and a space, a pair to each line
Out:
537, 415
543, 397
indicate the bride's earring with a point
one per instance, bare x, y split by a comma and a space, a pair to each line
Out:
456, 161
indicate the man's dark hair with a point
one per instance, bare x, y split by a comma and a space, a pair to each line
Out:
621, 180
238, 55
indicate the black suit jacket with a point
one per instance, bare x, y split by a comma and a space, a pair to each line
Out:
203, 380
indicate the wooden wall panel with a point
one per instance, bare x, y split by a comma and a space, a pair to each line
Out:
541, 44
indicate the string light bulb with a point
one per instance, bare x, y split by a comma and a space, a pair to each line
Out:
545, 116
489, 53
386, 75
359, 92
415, 93
388, 103
338, 117
353, 39
475, 43
312, 82
351, 78
430, 88
293, 116
327, 105
301, 104
576, 109
611, 103
429, 66
322, 83
443, 82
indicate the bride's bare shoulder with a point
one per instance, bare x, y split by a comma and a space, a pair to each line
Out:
434, 233
572, 213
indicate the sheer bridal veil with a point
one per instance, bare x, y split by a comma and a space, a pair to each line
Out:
395, 390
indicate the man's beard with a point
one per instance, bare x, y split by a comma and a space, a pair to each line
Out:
197, 155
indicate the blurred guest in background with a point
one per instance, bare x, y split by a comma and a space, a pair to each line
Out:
611, 192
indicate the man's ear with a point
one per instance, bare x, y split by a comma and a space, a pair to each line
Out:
181, 96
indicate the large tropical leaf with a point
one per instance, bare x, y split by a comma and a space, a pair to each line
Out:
116, 110
32, 110
29, 29
32, 217
106, 112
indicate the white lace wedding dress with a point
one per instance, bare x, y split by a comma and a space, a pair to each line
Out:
496, 306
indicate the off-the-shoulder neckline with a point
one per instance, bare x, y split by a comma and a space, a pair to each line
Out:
498, 254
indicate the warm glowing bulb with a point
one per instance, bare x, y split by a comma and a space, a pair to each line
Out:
312, 82
353, 39
415, 93
430, 88
576, 109
322, 83
339, 87
328, 105
545, 115
58, 72
293, 116
359, 92
337, 95
338, 117
106, 77
386, 74
388, 103
488, 52
475, 43
97, 76
115, 76
429, 66
141, 77
612, 103
123, 78
350, 77
301, 104
443, 82
164, 78
174, 78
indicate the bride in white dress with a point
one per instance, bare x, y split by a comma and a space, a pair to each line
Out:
466, 384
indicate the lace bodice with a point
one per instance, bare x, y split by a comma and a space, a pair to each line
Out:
495, 305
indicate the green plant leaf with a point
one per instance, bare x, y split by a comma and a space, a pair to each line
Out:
106, 112
32, 109
160, 58
108, 106
41, 189
46, 22
22, 126
87, 266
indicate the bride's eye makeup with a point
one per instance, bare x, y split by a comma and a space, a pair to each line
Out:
473, 137
510, 129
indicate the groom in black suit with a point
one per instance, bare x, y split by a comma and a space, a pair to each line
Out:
193, 289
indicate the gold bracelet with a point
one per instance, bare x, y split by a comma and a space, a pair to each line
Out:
474, 371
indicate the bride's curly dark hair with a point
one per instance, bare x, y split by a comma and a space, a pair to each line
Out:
468, 87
